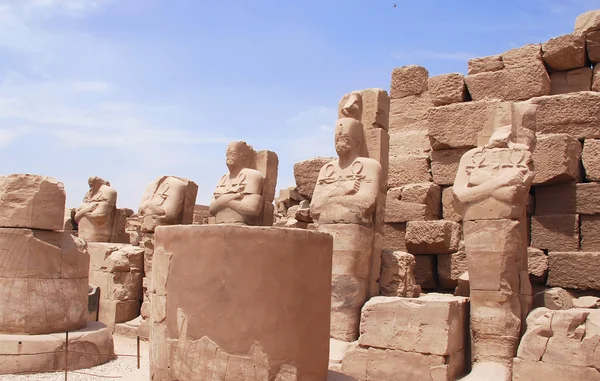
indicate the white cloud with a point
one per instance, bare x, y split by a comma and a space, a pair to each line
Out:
10, 134
312, 114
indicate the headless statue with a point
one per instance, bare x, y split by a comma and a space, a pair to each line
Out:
162, 204
347, 187
491, 190
95, 217
238, 196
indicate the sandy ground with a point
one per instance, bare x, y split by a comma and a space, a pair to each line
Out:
123, 368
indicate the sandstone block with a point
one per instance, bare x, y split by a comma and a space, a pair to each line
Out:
587, 22
555, 232
591, 159
556, 159
425, 271
448, 211
432, 237
112, 312
596, 78
446, 89
110, 257
565, 52
554, 299
537, 262
267, 163
485, 64
444, 165
408, 80
433, 323
413, 202
31, 201
306, 174
590, 239
574, 270
463, 288
592, 42
516, 84
529, 370
409, 143
568, 198
586, 302
286, 324
460, 125
450, 267
397, 275
576, 114
524, 56
408, 169
410, 113
394, 237
375, 108
571, 81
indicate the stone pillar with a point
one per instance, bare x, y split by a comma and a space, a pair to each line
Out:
233, 302
43, 281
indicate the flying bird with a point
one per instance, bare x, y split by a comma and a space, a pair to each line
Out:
394, 5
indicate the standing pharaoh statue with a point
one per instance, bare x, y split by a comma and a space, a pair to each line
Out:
343, 204
95, 217
491, 190
238, 197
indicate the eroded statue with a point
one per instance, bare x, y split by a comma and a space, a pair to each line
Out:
491, 190
95, 217
164, 202
238, 196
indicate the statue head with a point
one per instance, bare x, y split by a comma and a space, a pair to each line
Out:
238, 154
353, 106
95, 181
500, 138
349, 136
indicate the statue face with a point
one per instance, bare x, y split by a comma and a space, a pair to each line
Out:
344, 141
234, 154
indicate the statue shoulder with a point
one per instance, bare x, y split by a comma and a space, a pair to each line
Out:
371, 166
110, 194
252, 174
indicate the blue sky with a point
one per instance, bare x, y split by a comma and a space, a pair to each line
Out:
133, 89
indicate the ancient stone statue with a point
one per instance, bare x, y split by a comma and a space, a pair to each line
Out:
347, 188
238, 196
168, 201
343, 204
491, 190
95, 217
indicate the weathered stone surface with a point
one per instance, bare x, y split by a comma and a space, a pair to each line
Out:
534, 370
409, 143
565, 52
555, 232
408, 80
509, 84
306, 174
410, 113
397, 275
287, 324
450, 267
574, 270
433, 323
446, 89
111, 257
568, 198
94, 340
571, 81
591, 159
587, 22
556, 159
408, 169
554, 299
432, 237
576, 114
448, 202
460, 125
168, 200
485, 64
444, 165
596, 78
524, 56
112, 312
586, 302
413, 202
590, 239
31, 201
375, 108
425, 271
394, 237
537, 262
463, 288
592, 42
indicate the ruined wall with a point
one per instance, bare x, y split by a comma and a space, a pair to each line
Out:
435, 120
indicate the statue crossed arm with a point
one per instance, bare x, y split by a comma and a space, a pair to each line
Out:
245, 200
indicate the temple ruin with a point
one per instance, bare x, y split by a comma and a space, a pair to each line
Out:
455, 236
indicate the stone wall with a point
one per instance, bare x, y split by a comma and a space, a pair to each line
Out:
435, 120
